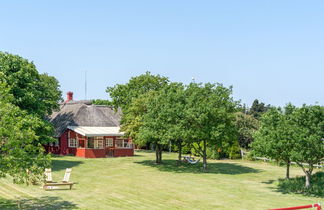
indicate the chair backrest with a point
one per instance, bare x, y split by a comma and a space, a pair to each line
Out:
67, 175
48, 175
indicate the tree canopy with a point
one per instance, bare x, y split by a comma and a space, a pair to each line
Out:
36, 93
309, 138
295, 134
246, 126
209, 114
26, 98
275, 138
123, 94
163, 120
21, 151
258, 108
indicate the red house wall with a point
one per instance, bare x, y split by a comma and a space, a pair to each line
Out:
64, 143
63, 148
123, 152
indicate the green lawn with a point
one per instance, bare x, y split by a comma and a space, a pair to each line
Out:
137, 183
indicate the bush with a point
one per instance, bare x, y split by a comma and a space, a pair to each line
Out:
297, 185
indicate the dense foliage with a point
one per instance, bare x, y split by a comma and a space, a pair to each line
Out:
26, 98
201, 116
102, 102
123, 94
275, 138
209, 115
295, 134
21, 152
309, 138
36, 93
246, 125
258, 108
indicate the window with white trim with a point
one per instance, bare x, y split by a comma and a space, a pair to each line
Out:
73, 143
95, 143
109, 142
99, 144
123, 143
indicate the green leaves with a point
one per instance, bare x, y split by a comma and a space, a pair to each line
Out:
122, 95
21, 152
36, 93
156, 111
26, 97
295, 134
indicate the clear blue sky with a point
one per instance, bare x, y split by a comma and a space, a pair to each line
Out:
270, 50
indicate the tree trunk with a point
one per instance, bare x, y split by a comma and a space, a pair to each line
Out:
308, 173
204, 156
287, 170
158, 153
308, 178
180, 151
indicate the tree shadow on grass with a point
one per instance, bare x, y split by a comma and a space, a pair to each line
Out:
46, 202
297, 185
216, 168
58, 165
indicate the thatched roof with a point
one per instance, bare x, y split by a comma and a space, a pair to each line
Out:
83, 113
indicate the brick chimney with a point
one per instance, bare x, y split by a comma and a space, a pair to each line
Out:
69, 96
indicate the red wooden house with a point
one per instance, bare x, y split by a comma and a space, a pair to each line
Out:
87, 130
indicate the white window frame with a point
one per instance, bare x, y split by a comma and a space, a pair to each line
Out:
129, 145
109, 142
98, 145
73, 143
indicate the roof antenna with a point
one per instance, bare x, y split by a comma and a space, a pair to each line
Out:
85, 85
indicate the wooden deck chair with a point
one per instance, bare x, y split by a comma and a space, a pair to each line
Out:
67, 175
65, 181
48, 175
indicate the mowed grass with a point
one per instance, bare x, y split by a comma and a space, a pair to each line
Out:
138, 183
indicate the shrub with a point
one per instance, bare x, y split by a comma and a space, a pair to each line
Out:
297, 185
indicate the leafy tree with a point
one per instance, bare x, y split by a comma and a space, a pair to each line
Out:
102, 102
132, 118
246, 126
36, 93
123, 94
26, 97
276, 136
164, 119
21, 152
210, 115
133, 98
309, 138
257, 109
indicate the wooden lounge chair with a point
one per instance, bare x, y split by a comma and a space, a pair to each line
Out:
48, 175
65, 182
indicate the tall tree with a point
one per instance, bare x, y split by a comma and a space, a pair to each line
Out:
133, 98
210, 113
123, 94
21, 152
246, 126
309, 138
258, 108
36, 93
26, 97
164, 119
276, 136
